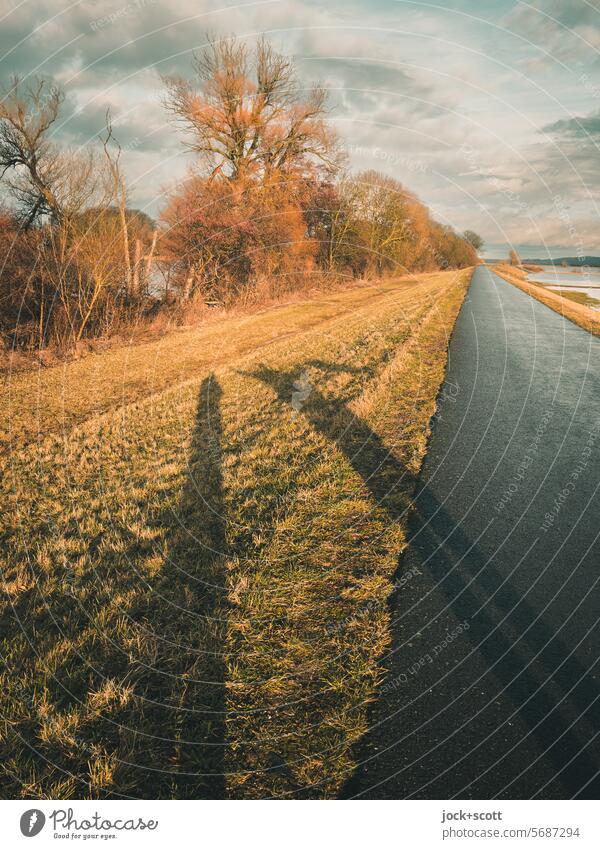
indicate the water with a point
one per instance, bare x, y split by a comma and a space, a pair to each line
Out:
571, 278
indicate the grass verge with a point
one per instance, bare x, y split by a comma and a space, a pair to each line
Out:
577, 297
575, 309
195, 583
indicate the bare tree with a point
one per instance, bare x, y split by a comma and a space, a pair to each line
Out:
248, 116
120, 197
26, 115
391, 223
43, 179
474, 239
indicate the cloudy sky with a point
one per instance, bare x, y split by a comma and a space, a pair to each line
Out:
489, 112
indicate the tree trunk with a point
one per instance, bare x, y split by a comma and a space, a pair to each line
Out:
134, 292
149, 259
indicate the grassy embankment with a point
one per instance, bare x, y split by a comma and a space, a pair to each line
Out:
195, 580
572, 305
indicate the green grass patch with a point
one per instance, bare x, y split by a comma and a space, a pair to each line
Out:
577, 297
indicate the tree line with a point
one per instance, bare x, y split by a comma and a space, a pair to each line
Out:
267, 207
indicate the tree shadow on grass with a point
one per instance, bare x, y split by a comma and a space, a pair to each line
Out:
523, 665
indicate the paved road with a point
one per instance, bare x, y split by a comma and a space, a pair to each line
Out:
493, 682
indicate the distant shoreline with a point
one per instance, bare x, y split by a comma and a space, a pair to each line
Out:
571, 261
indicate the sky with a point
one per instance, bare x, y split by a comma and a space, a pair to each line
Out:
489, 112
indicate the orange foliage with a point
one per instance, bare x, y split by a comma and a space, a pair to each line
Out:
221, 239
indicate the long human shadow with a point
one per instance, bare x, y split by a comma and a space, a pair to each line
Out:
452, 560
185, 683
160, 646
198, 554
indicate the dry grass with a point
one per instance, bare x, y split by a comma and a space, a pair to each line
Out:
53, 400
563, 303
195, 582
577, 297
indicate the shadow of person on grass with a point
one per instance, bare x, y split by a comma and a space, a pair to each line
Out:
142, 636
452, 561
186, 624
197, 555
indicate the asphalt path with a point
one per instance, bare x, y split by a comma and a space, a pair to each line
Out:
492, 684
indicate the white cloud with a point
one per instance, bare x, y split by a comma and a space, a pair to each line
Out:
411, 86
